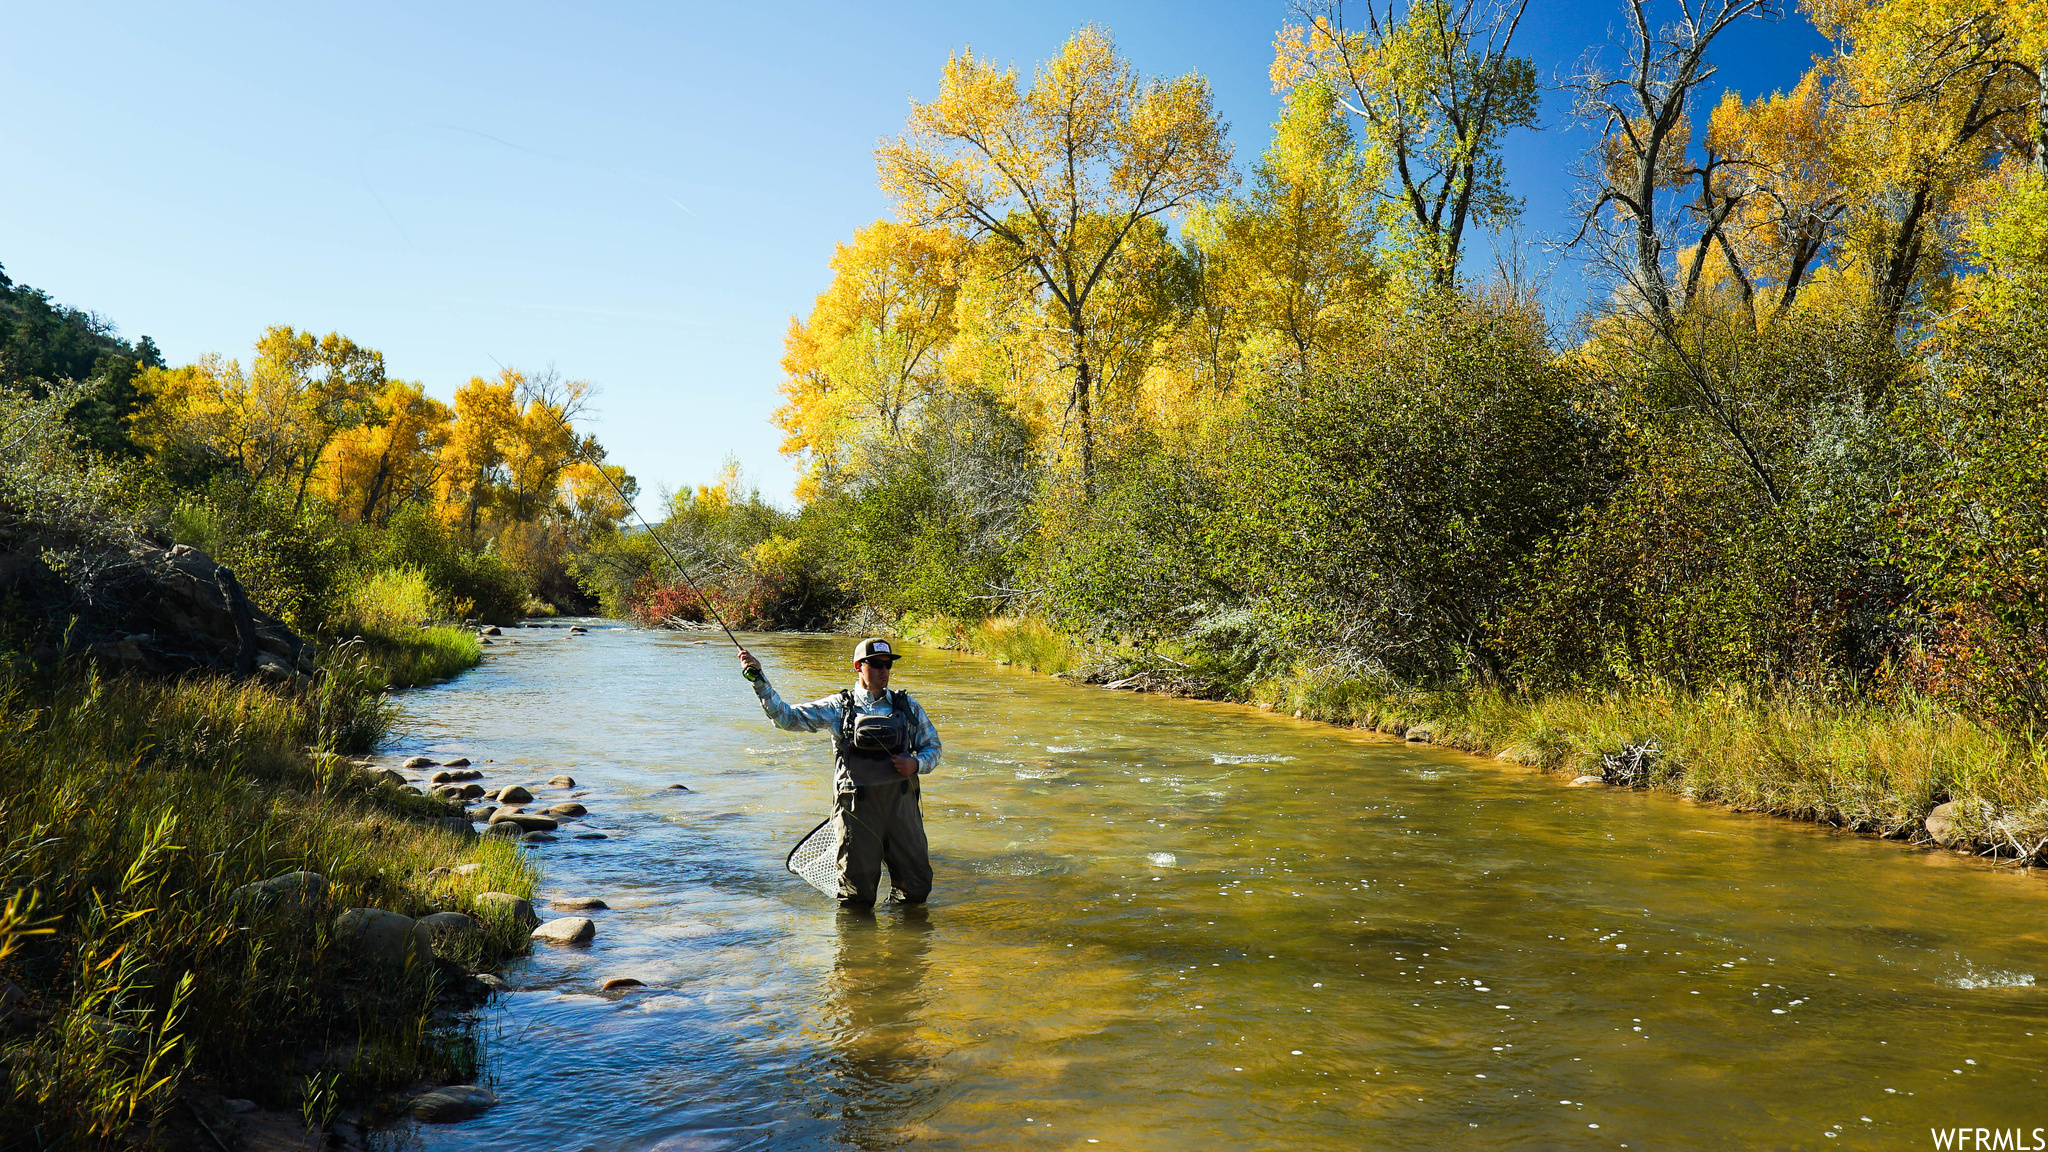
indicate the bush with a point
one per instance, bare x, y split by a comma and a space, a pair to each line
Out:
1384, 508
470, 585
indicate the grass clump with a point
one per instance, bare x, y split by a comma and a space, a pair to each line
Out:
1023, 641
130, 812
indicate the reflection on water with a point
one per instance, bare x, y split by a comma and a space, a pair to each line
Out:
873, 1009
1168, 925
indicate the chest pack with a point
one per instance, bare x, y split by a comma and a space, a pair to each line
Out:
866, 743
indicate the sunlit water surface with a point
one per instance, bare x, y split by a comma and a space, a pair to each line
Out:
1161, 924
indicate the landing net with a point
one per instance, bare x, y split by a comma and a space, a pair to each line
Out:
815, 859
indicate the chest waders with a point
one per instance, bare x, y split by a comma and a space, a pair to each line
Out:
878, 821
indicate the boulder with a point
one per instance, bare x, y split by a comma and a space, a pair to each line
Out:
505, 904
295, 895
472, 791
502, 829
491, 630
526, 822
450, 1104
561, 781
618, 982
455, 776
567, 930
482, 812
537, 838
514, 794
1941, 825
449, 930
579, 904
385, 776
458, 762
383, 939
568, 810
418, 762
446, 791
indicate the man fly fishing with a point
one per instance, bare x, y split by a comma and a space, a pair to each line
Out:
882, 741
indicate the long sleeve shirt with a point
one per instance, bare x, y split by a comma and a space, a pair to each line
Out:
825, 715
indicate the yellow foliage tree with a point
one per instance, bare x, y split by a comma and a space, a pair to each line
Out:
1059, 178
873, 344
393, 459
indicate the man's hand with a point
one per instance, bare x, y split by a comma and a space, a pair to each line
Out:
749, 667
905, 765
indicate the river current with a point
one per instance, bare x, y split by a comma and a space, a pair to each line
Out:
1163, 924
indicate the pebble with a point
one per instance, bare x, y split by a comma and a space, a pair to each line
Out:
514, 794
562, 782
455, 1102
618, 982
578, 903
567, 930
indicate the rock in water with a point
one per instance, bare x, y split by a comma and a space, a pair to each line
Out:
567, 930
449, 930
592, 836
450, 1104
618, 982
506, 905
561, 782
502, 828
491, 630
419, 762
514, 794
492, 982
526, 822
678, 788
1587, 781
458, 762
579, 904
383, 939
385, 776
537, 838
297, 895
568, 810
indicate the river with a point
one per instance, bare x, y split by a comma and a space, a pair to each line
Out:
1164, 924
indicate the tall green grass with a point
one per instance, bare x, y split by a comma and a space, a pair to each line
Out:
401, 631
129, 811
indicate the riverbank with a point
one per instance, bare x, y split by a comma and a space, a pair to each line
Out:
1904, 770
141, 972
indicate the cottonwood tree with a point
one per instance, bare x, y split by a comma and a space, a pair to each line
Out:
870, 351
1059, 177
1435, 88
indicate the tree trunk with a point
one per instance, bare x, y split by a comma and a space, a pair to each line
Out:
1084, 405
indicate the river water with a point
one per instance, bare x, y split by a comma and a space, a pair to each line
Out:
1162, 924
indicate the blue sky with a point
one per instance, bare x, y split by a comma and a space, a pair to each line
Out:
639, 194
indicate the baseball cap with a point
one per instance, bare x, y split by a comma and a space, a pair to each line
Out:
874, 648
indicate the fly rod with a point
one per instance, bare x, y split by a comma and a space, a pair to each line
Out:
709, 607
